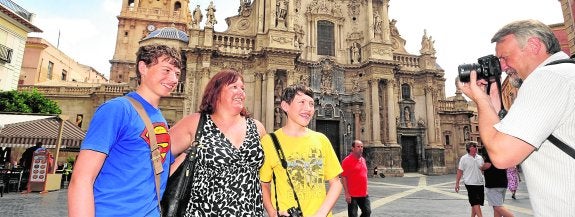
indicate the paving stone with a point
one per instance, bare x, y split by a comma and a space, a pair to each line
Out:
412, 195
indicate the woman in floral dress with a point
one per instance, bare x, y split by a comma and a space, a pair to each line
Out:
513, 180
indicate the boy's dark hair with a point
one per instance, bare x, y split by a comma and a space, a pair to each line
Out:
290, 91
150, 54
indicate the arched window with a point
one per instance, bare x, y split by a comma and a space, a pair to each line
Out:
177, 6
405, 91
325, 38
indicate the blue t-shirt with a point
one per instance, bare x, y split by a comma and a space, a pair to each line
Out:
126, 185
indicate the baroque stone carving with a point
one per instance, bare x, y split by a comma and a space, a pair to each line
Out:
326, 77
354, 8
325, 7
355, 37
282, 40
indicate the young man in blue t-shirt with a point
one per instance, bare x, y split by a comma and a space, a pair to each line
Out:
114, 175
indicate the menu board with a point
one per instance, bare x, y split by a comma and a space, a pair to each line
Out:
39, 167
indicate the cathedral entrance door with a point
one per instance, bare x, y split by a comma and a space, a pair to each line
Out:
331, 130
409, 154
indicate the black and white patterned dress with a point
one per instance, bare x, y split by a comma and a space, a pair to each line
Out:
226, 179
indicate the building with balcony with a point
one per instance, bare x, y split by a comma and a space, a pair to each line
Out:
15, 24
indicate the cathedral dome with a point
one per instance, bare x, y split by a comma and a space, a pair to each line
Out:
168, 33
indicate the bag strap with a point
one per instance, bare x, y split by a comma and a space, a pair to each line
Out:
561, 145
200, 127
554, 140
284, 165
154, 149
561, 61
193, 149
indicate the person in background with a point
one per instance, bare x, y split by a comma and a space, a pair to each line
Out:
469, 168
26, 160
226, 177
524, 49
354, 180
513, 180
113, 175
311, 161
495, 186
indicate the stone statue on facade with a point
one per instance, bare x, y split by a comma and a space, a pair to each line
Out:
281, 12
210, 15
277, 117
355, 54
394, 31
197, 17
427, 44
376, 22
407, 116
298, 42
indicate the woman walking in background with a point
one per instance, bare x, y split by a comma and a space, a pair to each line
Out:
513, 180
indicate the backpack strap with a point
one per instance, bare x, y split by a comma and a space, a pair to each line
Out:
154, 149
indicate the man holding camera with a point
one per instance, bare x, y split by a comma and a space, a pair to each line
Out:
543, 107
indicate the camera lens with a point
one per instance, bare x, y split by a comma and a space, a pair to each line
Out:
465, 71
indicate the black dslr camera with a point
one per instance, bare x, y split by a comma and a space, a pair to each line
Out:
295, 212
486, 67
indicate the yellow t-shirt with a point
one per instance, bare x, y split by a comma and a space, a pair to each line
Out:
311, 162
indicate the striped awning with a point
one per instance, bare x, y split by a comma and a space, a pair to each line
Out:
43, 129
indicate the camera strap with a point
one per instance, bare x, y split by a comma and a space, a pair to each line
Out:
502, 111
554, 140
284, 165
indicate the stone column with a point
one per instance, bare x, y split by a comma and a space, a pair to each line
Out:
258, 96
370, 22
262, 17
391, 105
269, 102
376, 128
385, 25
430, 117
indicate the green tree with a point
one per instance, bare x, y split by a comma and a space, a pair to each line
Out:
27, 102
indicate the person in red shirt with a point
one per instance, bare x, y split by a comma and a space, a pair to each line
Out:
354, 179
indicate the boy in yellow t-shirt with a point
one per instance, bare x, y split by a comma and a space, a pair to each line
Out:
311, 161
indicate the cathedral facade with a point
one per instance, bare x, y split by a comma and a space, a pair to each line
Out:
367, 86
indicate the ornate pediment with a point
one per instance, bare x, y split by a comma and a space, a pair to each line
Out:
325, 7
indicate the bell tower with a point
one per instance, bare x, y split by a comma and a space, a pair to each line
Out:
137, 19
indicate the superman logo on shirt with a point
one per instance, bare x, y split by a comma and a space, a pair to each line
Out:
162, 138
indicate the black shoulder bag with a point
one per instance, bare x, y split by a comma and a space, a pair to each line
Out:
178, 190
293, 211
560, 144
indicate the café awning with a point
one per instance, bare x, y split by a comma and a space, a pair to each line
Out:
20, 130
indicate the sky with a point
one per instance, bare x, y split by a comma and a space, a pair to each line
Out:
86, 29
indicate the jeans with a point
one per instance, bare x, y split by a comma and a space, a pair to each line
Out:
363, 204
